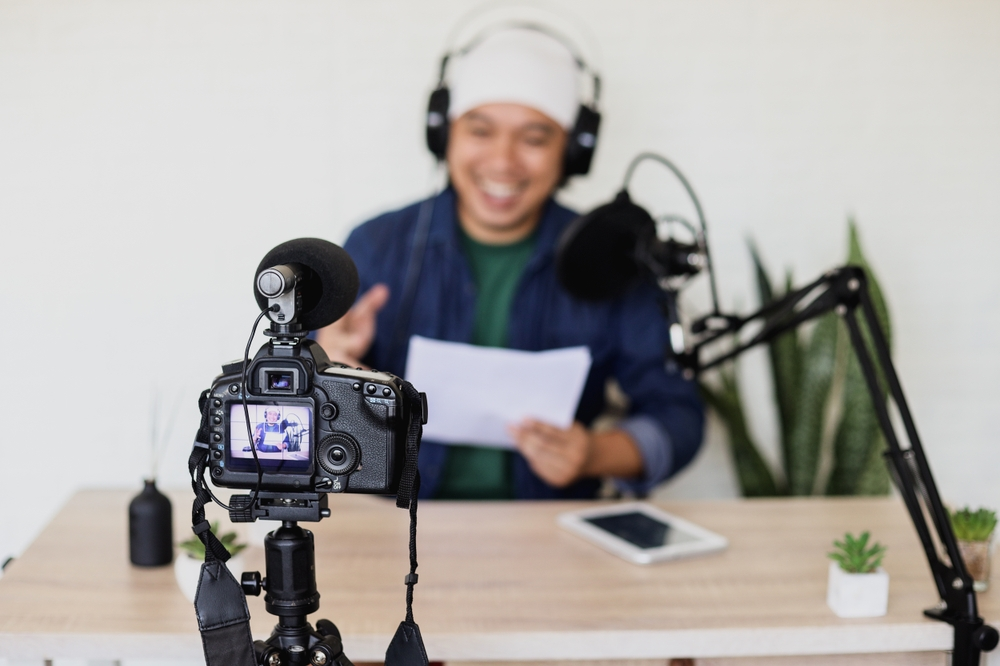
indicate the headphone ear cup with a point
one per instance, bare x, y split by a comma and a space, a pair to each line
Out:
437, 122
581, 142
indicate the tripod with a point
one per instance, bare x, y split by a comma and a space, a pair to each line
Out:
290, 582
291, 594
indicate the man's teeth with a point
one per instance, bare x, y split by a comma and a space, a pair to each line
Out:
499, 190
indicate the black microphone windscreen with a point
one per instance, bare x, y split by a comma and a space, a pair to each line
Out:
595, 258
330, 284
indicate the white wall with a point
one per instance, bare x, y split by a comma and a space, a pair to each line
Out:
151, 153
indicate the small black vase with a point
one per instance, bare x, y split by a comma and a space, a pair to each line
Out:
150, 528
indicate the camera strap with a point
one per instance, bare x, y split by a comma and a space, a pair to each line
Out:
219, 602
407, 646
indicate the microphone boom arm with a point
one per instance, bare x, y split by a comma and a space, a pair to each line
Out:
845, 291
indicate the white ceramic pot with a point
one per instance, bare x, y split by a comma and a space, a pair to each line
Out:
857, 594
187, 570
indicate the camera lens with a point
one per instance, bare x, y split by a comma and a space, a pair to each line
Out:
339, 454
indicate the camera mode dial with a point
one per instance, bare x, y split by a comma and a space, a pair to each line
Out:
339, 454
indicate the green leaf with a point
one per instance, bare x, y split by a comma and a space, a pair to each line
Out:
853, 556
818, 366
856, 257
785, 354
874, 478
859, 468
970, 525
196, 549
755, 477
765, 291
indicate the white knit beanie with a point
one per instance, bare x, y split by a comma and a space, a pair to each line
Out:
520, 66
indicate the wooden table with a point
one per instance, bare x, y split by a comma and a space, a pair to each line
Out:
498, 582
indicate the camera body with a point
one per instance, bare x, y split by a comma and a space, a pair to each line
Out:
318, 426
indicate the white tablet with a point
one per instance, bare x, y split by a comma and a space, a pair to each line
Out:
641, 533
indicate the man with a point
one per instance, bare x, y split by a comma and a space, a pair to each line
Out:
270, 436
477, 264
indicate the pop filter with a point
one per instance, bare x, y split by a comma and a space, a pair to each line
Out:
328, 284
596, 258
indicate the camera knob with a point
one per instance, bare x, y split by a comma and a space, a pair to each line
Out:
985, 638
339, 454
328, 411
240, 507
251, 583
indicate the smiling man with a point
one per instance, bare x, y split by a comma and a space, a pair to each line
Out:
476, 264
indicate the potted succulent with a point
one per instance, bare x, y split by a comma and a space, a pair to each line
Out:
857, 585
187, 566
974, 531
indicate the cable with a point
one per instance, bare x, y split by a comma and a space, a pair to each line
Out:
697, 206
246, 414
677, 219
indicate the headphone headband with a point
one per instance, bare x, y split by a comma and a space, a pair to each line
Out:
582, 140
489, 31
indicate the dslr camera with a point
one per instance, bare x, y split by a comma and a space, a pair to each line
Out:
314, 426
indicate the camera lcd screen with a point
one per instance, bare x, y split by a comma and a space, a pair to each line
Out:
280, 433
641, 530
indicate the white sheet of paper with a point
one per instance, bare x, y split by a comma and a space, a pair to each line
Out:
473, 393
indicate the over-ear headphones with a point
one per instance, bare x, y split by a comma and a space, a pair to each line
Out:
582, 140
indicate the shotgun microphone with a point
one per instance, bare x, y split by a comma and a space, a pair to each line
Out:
312, 281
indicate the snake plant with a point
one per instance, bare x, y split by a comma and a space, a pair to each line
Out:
816, 379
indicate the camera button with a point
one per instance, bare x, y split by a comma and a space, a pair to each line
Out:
216, 437
216, 455
234, 388
387, 391
356, 386
217, 420
328, 411
371, 389
217, 403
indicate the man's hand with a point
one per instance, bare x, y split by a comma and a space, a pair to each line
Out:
349, 338
557, 456
561, 456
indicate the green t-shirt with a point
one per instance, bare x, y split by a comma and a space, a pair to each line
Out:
475, 472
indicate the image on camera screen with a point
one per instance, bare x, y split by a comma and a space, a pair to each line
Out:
280, 435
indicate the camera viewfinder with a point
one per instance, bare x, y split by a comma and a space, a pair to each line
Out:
280, 380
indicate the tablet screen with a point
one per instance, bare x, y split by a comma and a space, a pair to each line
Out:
641, 530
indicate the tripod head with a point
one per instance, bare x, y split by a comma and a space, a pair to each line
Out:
283, 506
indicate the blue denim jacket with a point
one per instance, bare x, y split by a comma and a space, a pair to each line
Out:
627, 338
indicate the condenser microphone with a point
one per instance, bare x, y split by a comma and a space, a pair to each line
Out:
597, 255
307, 281
603, 254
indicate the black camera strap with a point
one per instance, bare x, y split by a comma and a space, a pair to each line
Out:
219, 602
407, 646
